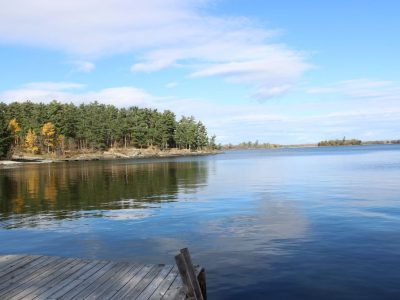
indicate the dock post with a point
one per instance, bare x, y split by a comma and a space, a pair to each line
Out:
195, 290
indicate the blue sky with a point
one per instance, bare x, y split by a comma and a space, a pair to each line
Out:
275, 71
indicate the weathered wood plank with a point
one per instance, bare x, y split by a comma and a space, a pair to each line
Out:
165, 285
6, 259
35, 278
79, 280
142, 284
7, 287
115, 283
201, 276
155, 283
133, 282
122, 282
12, 266
43, 278
21, 273
82, 286
192, 278
100, 281
58, 278
67, 281
42, 282
176, 291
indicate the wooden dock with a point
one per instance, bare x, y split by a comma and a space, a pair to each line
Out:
44, 277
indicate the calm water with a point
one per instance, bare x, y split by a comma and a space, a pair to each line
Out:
268, 224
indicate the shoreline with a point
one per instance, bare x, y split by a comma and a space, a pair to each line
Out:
113, 154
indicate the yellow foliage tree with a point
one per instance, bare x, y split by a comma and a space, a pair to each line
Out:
48, 133
14, 127
31, 141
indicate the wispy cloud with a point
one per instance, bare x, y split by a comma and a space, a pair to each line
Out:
361, 89
171, 85
82, 66
369, 117
52, 86
162, 34
65, 92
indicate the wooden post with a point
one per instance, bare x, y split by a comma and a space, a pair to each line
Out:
188, 275
202, 282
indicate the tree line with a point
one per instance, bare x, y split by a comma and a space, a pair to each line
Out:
251, 145
342, 142
57, 127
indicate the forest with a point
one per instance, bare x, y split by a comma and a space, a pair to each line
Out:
251, 145
342, 142
57, 127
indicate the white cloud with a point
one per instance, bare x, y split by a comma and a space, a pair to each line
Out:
160, 34
171, 85
361, 89
83, 66
63, 92
52, 86
368, 118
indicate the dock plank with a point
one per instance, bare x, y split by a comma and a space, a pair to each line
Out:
115, 283
85, 284
59, 277
21, 273
165, 285
12, 266
77, 281
6, 259
176, 290
141, 286
15, 282
44, 279
34, 277
154, 284
112, 273
133, 282
66, 281
122, 282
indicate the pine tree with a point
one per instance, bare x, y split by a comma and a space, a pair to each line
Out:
167, 129
61, 143
201, 136
212, 142
5, 136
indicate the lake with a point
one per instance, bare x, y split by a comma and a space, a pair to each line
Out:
307, 223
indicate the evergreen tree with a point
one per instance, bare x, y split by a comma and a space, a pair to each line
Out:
201, 136
167, 129
6, 137
97, 126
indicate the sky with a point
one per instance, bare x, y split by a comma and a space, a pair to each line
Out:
286, 72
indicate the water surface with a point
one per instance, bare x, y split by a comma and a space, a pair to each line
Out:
317, 223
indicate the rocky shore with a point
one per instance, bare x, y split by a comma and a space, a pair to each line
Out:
130, 153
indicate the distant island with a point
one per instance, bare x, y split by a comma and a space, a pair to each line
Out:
327, 143
355, 142
342, 142
250, 145
66, 131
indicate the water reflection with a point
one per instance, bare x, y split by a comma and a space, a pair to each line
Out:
65, 190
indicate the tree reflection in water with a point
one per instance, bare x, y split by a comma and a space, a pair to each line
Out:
60, 190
